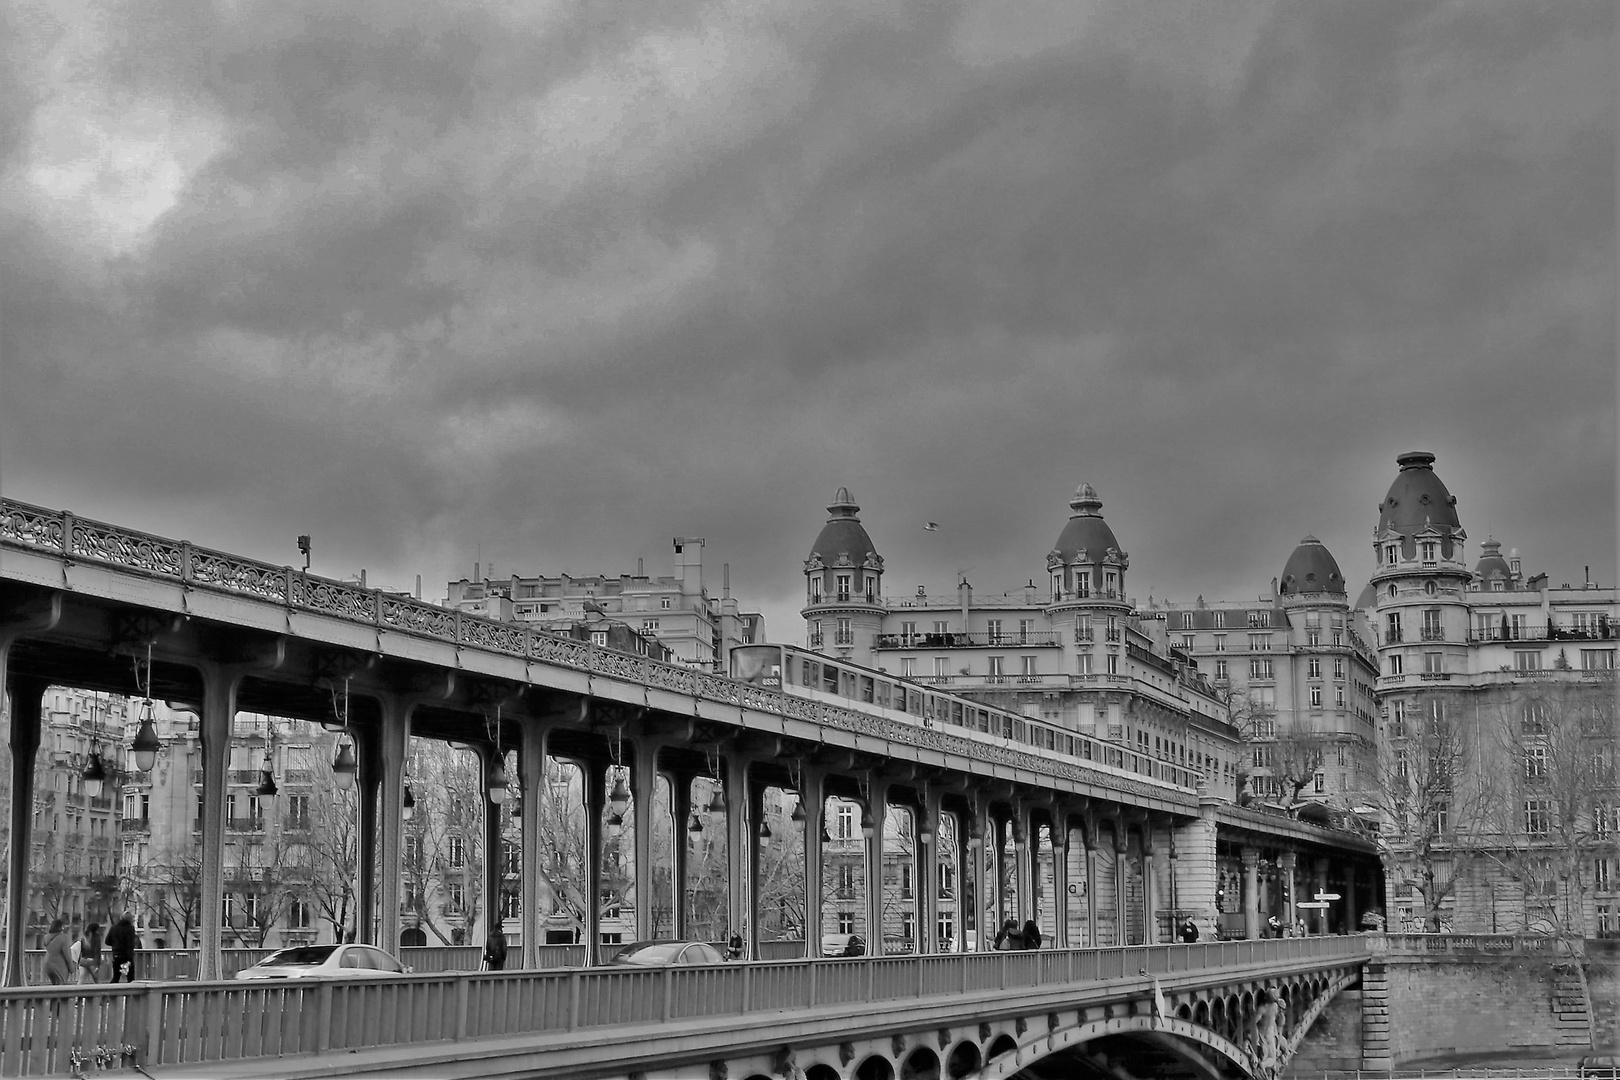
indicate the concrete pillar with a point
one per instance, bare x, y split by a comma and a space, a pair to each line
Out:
1023, 903
643, 797
1251, 892
27, 695
367, 784
927, 848
392, 737
1196, 876
1287, 862
680, 813
878, 798
813, 798
756, 815
494, 849
218, 712
977, 859
1091, 841
594, 795
535, 898
1320, 876
1060, 879
1352, 913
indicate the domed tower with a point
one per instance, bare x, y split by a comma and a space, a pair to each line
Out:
1087, 572
1420, 579
843, 585
1492, 573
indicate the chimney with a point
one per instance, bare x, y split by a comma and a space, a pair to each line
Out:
725, 580
641, 570
477, 570
419, 586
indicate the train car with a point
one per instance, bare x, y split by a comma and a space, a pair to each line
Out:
805, 674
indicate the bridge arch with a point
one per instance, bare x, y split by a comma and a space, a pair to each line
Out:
1074, 1036
921, 1064
964, 1060
1005, 1044
875, 1067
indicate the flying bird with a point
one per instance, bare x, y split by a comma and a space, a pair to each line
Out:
932, 526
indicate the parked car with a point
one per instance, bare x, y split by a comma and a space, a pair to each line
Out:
667, 953
326, 962
842, 945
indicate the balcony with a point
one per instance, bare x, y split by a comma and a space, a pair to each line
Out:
984, 640
1084, 637
130, 825
247, 824
1392, 636
1434, 633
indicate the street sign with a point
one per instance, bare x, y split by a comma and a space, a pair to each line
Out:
1327, 896
1312, 904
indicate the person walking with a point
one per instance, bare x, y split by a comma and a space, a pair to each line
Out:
90, 954
1189, 931
58, 958
1008, 938
495, 951
123, 943
1032, 935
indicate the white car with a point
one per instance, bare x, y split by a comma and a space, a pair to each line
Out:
325, 962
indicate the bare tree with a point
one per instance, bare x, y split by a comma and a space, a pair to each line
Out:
171, 885
1433, 798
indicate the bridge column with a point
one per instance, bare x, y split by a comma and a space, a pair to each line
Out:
977, 858
813, 800
367, 783
27, 695
218, 713
1251, 892
1023, 901
1287, 862
680, 813
1320, 874
741, 848
494, 849
1060, 879
1122, 848
1194, 865
927, 848
392, 738
1150, 892
1089, 836
535, 897
594, 795
756, 815
1352, 916
878, 800
643, 795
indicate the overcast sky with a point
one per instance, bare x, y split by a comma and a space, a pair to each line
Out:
548, 284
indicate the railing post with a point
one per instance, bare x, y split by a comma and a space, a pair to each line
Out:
669, 991
323, 1023
814, 969
67, 535
152, 1052
573, 999
748, 988
185, 560
462, 993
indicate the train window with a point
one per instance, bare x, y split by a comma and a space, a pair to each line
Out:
913, 702
830, 678
1008, 728
808, 681
899, 699
883, 694
1051, 739
866, 688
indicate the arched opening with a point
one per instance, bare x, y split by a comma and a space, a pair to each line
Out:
921, 1064
1004, 1044
821, 1071
1201, 1014
876, 1067
963, 1061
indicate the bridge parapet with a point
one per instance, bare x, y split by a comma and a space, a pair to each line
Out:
1460, 945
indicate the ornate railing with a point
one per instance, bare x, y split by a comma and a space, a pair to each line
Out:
47, 1031
75, 539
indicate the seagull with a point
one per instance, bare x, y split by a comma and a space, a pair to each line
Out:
932, 526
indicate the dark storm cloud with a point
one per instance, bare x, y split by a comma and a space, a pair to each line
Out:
555, 283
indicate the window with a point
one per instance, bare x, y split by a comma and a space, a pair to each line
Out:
1538, 816
1029, 671
1187, 642
993, 631
1057, 584
905, 881
1392, 627
1221, 671
299, 915
1338, 667
1433, 663
455, 897
1112, 581
1220, 642
1597, 659
1259, 618
413, 851
649, 626
1113, 664
942, 668
1316, 697
996, 672
1430, 552
1082, 584
1026, 628
1535, 763
298, 811
846, 922
908, 666
1313, 667
1600, 875
1533, 718
1313, 638
1259, 642
457, 851
843, 586
846, 880
844, 822
1260, 667
1439, 819
1395, 665
846, 636
1392, 554
1220, 619
1526, 660
1319, 782
1083, 664
1338, 697
599, 638
947, 930
511, 904
1401, 764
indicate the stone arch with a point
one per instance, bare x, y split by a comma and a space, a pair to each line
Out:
964, 1060
821, 1071
921, 1064
1003, 1065
1005, 1044
876, 1067
1200, 1014
1184, 1011
758, 1076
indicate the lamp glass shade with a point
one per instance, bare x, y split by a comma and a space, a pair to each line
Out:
868, 826
267, 785
619, 798
764, 834
409, 804
695, 826
94, 775
717, 805
146, 744
798, 814
343, 766
495, 782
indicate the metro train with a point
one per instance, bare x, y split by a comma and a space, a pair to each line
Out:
806, 674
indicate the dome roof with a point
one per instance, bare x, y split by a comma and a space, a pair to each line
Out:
1491, 564
1086, 531
1368, 597
1417, 500
843, 540
1311, 569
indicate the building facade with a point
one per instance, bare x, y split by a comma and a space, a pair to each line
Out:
1074, 650
1497, 706
672, 617
1299, 673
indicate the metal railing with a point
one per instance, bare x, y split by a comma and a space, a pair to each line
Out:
56, 1030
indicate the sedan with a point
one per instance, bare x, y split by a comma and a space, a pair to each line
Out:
667, 953
325, 962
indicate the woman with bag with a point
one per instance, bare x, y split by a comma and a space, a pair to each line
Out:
58, 961
90, 954
1008, 939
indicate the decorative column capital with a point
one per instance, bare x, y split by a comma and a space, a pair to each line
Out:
1251, 858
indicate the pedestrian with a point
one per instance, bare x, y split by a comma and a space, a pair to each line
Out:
122, 943
1299, 928
734, 947
1273, 927
90, 954
1032, 935
1189, 931
495, 951
58, 961
1008, 939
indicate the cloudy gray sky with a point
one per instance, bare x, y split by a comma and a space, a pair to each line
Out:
552, 283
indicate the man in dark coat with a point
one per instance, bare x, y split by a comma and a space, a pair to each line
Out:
123, 944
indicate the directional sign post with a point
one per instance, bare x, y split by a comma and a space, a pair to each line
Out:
1327, 896
1312, 904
